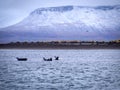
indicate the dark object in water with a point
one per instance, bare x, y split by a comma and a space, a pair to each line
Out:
49, 59
21, 59
56, 57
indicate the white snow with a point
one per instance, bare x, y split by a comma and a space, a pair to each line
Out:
67, 23
89, 16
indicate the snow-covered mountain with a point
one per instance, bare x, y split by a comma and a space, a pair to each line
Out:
66, 23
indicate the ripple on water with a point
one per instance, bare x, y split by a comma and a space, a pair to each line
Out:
78, 73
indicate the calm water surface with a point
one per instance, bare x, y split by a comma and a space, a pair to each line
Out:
76, 70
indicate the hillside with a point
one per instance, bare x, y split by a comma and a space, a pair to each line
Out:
66, 23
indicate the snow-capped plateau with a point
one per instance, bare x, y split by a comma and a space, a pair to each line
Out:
66, 23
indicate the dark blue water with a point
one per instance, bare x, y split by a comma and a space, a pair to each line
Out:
76, 70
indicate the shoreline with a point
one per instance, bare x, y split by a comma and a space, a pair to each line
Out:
63, 47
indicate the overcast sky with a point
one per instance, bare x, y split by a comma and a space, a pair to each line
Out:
13, 11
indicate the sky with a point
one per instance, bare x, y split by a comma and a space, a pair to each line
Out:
14, 11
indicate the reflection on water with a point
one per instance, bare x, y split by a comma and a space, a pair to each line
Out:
76, 70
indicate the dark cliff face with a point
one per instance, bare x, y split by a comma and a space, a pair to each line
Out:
53, 9
108, 7
69, 8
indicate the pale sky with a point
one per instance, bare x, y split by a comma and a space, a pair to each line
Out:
13, 11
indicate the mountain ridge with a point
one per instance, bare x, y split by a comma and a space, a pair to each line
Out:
66, 22
71, 7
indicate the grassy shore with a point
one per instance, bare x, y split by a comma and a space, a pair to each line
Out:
62, 45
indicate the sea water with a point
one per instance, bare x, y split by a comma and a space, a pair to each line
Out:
75, 70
